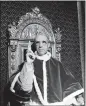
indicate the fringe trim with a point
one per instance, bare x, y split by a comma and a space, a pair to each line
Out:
69, 98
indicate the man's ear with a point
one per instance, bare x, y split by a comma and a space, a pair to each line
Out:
49, 49
48, 44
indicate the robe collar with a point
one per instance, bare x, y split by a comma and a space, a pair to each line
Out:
45, 57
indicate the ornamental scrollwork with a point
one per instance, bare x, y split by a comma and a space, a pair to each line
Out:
58, 35
33, 17
13, 62
12, 29
13, 45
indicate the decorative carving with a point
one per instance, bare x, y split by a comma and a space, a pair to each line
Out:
34, 17
13, 45
35, 14
12, 29
13, 62
58, 35
58, 48
36, 10
12, 55
12, 68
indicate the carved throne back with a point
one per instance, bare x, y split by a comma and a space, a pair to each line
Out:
26, 29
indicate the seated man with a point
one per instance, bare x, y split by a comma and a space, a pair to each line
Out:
41, 79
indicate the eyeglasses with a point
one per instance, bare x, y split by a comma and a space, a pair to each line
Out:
43, 42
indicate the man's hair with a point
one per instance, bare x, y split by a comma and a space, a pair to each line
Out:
43, 32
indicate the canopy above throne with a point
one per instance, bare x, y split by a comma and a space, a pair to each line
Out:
27, 28
30, 24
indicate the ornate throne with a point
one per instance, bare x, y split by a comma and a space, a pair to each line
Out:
25, 31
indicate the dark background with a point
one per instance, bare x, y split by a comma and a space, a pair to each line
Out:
62, 14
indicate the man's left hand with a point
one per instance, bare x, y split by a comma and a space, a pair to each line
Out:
80, 100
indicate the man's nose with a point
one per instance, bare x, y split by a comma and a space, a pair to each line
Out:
40, 44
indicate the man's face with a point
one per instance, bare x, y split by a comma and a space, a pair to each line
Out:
42, 44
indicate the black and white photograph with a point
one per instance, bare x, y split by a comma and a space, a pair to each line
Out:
42, 53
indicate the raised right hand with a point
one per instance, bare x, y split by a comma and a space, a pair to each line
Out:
30, 56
